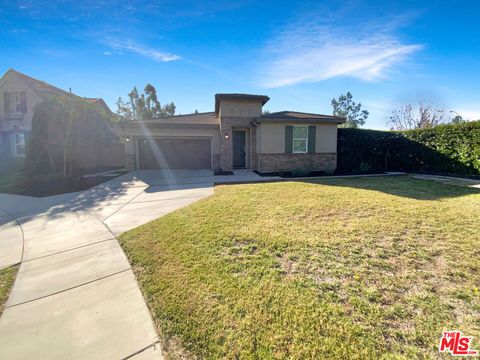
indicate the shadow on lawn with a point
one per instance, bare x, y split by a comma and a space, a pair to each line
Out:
403, 186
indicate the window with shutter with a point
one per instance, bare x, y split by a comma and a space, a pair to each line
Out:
13, 102
19, 144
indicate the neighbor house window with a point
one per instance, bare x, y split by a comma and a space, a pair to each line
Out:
19, 144
300, 139
15, 102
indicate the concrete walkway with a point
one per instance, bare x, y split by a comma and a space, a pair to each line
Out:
75, 295
450, 180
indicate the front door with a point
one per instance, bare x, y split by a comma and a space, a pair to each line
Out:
239, 149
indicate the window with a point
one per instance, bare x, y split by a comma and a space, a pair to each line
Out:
19, 144
15, 102
300, 139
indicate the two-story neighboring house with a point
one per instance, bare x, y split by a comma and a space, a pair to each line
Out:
19, 94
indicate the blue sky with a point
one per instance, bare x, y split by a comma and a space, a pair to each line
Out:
301, 54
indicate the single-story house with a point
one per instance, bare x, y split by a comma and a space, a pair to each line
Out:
236, 135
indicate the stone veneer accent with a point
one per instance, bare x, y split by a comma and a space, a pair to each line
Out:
216, 161
130, 161
253, 148
289, 162
227, 123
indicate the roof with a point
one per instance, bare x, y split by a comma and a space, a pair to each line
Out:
41, 87
295, 116
242, 97
99, 102
206, 118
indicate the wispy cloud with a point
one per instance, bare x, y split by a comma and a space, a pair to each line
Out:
136, 48
468, 114
313, 52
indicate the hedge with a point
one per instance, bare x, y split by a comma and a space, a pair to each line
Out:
451, 149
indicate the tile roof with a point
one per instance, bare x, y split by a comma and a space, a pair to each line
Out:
41, 87
300, 116
206, 118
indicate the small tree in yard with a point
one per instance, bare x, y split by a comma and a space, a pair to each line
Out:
345, 107
58, 125
143, 106
409, 117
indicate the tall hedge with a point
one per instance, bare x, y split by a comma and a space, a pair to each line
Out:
442, 149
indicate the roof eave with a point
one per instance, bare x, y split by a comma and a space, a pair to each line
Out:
303, 121
156, 125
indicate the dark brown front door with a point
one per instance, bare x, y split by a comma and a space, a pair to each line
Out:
239, 149
174, 153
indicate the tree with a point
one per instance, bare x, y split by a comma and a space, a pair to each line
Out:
143, 106
422, 116
61, 127
345, 107
458, 119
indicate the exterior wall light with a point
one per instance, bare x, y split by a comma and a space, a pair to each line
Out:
127, 138
226, 135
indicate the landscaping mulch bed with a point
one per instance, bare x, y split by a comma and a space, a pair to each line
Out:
300, 174
41, 186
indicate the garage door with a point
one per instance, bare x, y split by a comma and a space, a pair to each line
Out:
174, 153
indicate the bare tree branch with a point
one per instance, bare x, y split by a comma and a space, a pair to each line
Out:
410, 117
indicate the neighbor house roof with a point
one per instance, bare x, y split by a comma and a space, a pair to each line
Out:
242, 97
41, 87
295, 116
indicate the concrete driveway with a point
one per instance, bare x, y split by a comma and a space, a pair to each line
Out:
75, 295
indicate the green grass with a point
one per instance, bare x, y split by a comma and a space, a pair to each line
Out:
7, 277
344, 268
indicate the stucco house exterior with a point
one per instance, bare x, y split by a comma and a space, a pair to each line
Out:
19, 94
236, 135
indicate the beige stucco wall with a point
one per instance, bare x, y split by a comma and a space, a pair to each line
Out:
326, 138
272, 138
240, 108
258, 144
11, 83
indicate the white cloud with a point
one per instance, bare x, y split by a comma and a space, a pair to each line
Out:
312, 53
131, 46
468, 114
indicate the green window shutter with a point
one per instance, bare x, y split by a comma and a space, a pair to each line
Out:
6, 102
312, 132
288, 139
23, 102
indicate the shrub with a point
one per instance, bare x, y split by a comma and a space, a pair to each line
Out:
446, 148
299, 172
365, 167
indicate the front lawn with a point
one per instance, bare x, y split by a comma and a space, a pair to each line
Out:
338, 268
